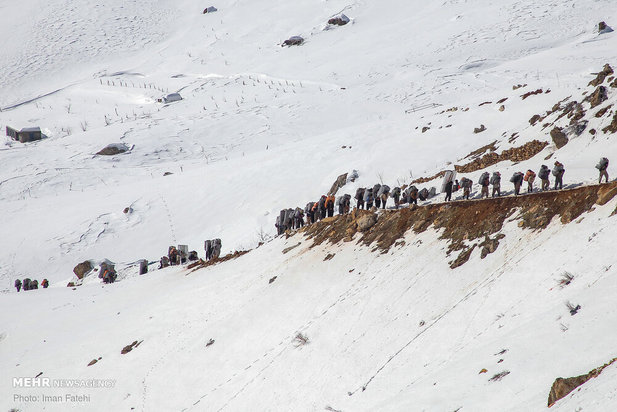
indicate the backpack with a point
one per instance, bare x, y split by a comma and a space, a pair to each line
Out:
308, 207
384, 190
495, 179
359, 193
602, 164
517, 177
396, 192
544, 172
466, 183
423, 194
376, 189
483, 179
558, 169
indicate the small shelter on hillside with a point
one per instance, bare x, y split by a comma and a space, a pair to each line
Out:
27, 134
172, 97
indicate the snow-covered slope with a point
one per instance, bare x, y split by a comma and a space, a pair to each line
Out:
263, 127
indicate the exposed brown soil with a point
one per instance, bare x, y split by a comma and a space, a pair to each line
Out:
428, 179
515, 154
200, 264
603, 111
482, 150
562, 387
532, 93
466, 224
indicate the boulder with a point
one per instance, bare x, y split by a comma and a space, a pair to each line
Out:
338, 183
113, 149
293, 41
607, 70
604, 28
479, 129
597, 97
81, 269
366, 221
559, 137
339, 20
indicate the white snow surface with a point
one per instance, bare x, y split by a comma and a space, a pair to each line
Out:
261, 128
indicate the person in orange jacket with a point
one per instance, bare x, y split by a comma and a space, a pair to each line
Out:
530, 176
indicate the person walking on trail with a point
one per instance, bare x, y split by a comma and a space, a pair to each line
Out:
315, 211
330, 205
384, 192
517, 179
45, 283
558, 172
530, 176
413, 195
18, 284
376, 197
360, 198
466, 184
309, 213
448, 188
368, 198
299, 218
544, 174
602, 166
496, 183
396, 195
484, 182
322, 207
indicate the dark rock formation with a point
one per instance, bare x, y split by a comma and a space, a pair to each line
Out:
559, 137
81, 269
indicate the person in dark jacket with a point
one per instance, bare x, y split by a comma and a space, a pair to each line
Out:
396, 195
18, 284
449, 185
543, 174
45, 283
558, 172
376, 197
322, 207
413, 195
360, 198
517, 179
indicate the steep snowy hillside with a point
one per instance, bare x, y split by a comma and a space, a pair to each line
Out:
406, 316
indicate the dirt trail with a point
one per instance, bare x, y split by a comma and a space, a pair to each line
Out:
465, 224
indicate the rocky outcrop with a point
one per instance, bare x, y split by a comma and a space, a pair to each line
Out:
514, 154
607, 70
562, 387
130, 347
559, 137
113, 149
338, 183
81, 269
611, 128
597, 97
